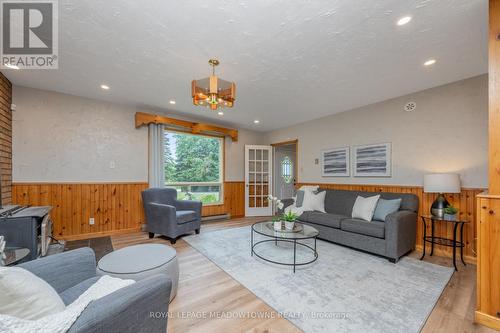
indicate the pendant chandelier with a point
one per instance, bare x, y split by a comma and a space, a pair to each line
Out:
213, 92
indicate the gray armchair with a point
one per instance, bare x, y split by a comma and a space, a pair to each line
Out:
125, 310
168, 216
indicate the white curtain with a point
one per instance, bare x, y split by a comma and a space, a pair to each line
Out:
156, 148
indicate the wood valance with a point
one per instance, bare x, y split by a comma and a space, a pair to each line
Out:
144, 119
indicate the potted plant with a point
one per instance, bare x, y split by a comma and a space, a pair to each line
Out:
277, 223
278, 205
290, 219
450, 213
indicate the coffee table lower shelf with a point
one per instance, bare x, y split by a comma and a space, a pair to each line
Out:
286, 238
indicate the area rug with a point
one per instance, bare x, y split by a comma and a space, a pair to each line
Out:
100, 245
343, 291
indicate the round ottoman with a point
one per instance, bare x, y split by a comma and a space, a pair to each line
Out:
140, 261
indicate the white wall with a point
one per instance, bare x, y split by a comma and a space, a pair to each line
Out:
235, 153
448, 132
64, 138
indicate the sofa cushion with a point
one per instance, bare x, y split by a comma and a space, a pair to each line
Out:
358, 226
314, 201
300, 198
364, 207
342, 201
26, 296
185, 216
71, 294
386, 207
329, 220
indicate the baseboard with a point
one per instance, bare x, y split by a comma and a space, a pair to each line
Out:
100, 234
443, 253
487, 320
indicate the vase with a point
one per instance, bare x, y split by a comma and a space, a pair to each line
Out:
277, 225
289, 225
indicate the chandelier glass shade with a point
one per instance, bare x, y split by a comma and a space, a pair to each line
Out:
213, 92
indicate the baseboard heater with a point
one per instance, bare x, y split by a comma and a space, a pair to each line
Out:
203, 219
216, 217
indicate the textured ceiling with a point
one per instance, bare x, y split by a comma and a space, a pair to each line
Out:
292, 60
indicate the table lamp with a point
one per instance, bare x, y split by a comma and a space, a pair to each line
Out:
441, 183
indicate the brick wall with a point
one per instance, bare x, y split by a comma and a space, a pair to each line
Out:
6, 139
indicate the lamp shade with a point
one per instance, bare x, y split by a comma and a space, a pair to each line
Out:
442, 183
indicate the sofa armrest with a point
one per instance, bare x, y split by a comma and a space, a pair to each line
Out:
140, 307
400, 233
64, 270
286, 202
189, 205
160, 217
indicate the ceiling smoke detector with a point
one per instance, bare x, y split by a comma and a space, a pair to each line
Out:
410, 106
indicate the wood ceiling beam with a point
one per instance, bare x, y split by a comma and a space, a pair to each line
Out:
144, 119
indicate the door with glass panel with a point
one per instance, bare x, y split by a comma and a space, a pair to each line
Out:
258, 180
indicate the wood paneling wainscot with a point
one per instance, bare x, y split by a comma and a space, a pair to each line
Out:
464, 201
115, 207
234, 201
6, 139
488, 261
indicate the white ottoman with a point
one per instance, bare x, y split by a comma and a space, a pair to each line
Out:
140, 261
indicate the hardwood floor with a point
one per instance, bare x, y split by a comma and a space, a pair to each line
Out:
205, 288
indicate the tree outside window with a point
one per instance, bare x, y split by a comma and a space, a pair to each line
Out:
194, 166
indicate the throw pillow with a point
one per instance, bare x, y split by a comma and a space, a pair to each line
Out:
300, 198
312, 188
364, 207
386, 207
314, 201
24, 295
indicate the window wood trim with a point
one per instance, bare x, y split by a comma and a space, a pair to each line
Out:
144, 119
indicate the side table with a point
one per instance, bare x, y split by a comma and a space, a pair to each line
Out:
454, 243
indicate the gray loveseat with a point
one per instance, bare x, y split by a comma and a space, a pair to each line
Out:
125, 310
391, 238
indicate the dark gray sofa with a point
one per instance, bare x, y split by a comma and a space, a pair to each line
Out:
391, 238
126, 310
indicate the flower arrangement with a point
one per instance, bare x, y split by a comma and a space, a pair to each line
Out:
278, 205
288, 218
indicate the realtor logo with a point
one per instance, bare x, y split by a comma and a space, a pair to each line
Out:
29, 34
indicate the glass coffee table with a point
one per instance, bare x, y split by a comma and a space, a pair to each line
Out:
13, 255
296, 236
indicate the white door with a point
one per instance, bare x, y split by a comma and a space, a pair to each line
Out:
258, 180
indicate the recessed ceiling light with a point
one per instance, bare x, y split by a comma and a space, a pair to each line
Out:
220, 113
430, 62
172, 102
11, 66
104, 87
256, 121
404, 20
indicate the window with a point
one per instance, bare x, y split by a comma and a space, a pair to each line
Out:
286, 170
194, 166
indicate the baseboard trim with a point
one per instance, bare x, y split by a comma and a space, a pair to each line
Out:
100, 234
442, 253
487, 320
